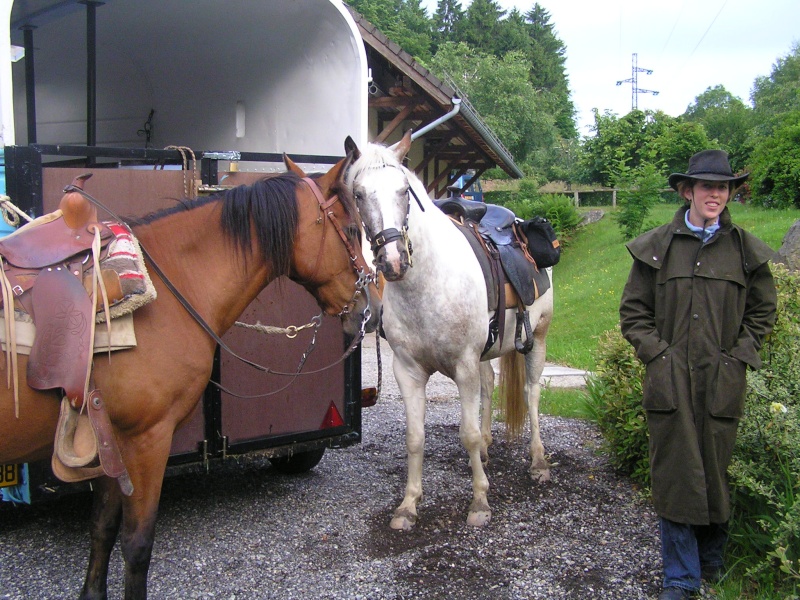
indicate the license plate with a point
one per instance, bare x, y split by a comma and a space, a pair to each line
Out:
9, 475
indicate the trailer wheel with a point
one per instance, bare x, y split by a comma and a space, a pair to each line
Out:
299, 462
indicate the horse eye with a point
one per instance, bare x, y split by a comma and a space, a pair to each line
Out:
352, 232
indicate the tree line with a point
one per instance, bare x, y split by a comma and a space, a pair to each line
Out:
511, 67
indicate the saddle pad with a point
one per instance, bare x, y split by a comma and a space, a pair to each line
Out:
124, 257
123, 336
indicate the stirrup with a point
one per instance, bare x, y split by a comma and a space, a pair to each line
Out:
523, 318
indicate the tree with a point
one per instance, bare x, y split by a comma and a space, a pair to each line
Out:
726, 119
413, 30
640, 137
775, 164
499, 89
447, 21
481, 25
547, 55
779, 93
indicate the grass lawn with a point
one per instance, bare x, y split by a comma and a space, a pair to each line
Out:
589, 278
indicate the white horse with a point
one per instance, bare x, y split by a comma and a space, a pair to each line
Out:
435, 318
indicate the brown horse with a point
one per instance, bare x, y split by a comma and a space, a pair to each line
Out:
219, 252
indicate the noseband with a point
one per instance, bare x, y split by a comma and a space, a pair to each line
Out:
392, 234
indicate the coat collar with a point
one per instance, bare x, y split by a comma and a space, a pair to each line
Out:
651, 247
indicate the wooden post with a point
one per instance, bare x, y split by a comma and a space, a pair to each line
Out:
577, 198
614, 198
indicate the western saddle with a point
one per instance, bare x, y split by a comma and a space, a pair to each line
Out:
511, 275
51, 272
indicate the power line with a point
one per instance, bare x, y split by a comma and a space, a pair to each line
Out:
634, 81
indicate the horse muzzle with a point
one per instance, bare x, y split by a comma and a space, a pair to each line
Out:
392, 251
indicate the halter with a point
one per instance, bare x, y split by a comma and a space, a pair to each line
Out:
392, 234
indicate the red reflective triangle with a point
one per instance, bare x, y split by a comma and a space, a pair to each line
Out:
332, 418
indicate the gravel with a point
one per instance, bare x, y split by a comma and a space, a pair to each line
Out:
246, 531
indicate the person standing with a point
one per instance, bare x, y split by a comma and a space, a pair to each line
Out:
697, 304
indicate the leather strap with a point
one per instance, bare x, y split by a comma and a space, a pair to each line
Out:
107, 448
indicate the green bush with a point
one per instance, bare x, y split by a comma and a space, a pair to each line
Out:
765, 471
614, 402
641, 189
527, 202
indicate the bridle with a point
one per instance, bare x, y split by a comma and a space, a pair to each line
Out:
392, 234
364, 275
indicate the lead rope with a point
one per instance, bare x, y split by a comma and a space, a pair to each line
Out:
379, 386
189, 188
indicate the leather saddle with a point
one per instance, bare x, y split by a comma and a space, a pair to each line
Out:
51, 272
492, 233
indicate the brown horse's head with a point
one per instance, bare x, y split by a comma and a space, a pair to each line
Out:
328, 259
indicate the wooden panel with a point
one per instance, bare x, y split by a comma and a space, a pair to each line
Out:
127, 192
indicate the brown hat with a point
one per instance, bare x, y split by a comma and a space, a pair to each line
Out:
708, 165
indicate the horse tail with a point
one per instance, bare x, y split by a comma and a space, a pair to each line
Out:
512, 392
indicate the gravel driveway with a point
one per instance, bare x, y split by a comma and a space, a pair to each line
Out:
245, 531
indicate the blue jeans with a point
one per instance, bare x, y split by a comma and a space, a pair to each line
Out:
686, 549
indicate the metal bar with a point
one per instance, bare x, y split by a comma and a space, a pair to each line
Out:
30, 83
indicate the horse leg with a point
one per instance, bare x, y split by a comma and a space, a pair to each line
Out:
470, 432
534, 365
146, 462
487, 388
412, 387
106, 517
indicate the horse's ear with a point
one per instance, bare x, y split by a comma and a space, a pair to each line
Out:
402, 147
327, 181
292, 166
350, 148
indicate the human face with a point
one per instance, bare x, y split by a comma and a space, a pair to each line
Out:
708, 199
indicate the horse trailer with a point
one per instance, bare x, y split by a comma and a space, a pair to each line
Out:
166, 99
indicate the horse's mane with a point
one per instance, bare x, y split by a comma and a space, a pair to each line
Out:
269, 205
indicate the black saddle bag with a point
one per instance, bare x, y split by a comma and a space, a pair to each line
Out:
542, 241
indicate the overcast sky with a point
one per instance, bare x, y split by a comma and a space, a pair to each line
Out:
689, 45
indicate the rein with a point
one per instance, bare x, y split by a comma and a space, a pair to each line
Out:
362, 282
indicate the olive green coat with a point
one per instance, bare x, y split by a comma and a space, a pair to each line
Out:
696, 315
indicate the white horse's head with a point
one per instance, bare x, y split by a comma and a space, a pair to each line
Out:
380, 184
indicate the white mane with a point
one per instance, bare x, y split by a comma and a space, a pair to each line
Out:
374, 156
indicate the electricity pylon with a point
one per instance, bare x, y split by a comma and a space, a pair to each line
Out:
634, 81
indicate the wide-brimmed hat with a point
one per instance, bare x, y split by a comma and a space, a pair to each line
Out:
709, 165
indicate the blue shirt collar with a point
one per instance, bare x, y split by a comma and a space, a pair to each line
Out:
704, 234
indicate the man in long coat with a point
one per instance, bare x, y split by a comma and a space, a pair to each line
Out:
697, 305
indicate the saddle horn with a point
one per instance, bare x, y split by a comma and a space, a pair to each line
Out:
77, 210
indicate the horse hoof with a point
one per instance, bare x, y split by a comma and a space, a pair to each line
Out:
479, 518
401, 523
403, 520
540, 475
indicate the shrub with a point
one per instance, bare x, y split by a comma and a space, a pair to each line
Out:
641, 189
614, 402
765, 471
528, 202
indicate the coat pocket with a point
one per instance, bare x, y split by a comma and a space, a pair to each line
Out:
659, 388
731, 389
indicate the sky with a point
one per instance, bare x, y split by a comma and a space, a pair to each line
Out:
690, 45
